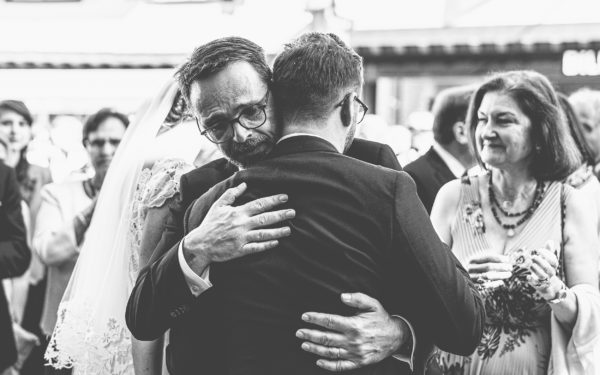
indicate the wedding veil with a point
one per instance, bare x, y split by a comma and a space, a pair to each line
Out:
90, 333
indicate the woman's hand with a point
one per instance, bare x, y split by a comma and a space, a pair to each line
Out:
489, 267
544, 266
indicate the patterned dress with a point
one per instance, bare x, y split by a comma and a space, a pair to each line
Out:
516, 337
155, 188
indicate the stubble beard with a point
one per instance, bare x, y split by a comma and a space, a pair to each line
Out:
249, 152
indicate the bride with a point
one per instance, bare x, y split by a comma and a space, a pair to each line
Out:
143, 181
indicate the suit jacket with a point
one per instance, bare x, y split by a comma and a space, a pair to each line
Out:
14, 255
358, 228
430, 173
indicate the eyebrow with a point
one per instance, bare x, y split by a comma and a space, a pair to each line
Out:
237, 109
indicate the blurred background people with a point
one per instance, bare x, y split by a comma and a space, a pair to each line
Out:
14, 258
586, 104
67, 208
450, 156
141, 187
542, 299
28, 290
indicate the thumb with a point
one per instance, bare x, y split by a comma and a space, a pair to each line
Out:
230, 195
361, 301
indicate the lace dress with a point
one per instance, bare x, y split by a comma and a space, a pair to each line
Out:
155, 188
107, 351
516, 338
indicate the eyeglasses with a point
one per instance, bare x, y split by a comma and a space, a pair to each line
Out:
252, 117
362, 111
100, 142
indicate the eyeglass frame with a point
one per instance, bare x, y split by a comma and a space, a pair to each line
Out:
263, 108
363, 105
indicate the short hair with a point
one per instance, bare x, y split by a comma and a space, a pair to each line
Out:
313, 72
575, 129
19, 107
214, 56
588, 101
449, 107
558, 156
94, 121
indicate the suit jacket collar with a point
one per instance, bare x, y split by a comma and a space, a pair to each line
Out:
441, 169
301, 143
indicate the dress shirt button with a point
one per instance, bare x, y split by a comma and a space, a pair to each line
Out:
195, 289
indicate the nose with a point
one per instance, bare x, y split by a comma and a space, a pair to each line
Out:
487, 129
241, 134
108, 149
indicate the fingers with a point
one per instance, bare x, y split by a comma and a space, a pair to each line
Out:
490, 276
325, 351
320, 338
489, 258
361, 301
230, 195
546, 255
331, 322
257, 247
261, 205
337, 366
270, 218
263, 235
489, 267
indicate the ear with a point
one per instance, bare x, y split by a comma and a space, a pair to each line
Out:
346, 113
459, 129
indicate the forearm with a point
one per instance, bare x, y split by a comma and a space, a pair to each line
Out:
58, 246
158, 298
566, 310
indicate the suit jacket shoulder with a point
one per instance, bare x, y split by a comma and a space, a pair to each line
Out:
200, 180
430, 173
374, 153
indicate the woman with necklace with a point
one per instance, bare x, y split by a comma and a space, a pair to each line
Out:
527, 239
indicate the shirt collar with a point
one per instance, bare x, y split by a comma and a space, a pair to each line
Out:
453, 164
303, 135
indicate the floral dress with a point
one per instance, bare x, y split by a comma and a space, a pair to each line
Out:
516, 338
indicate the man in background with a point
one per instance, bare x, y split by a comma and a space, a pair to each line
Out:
66, 212
586, 104
450, 156
14, 256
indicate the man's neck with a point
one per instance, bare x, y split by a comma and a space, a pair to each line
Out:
328, 133
460, 153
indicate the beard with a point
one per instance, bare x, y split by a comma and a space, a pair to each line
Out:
249, 152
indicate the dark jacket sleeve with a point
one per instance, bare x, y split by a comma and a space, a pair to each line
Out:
447, 307
14, 252
388, 158
161, 294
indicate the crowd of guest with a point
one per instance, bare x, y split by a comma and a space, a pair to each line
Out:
510, 183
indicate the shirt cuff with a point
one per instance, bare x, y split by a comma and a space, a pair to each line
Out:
197, 284
406, 352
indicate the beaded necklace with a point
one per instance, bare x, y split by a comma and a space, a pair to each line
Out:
526, 214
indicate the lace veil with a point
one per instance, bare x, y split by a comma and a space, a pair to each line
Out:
90, 334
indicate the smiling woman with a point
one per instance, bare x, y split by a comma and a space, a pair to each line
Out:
537, 311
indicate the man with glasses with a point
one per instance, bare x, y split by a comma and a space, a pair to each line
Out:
241, 124
66, 212
340, 233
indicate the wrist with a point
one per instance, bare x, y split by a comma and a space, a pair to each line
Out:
559, 296
403, 338
196, 258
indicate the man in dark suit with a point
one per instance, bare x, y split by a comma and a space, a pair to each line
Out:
370, 320
14, 256
450, 156
358, 227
